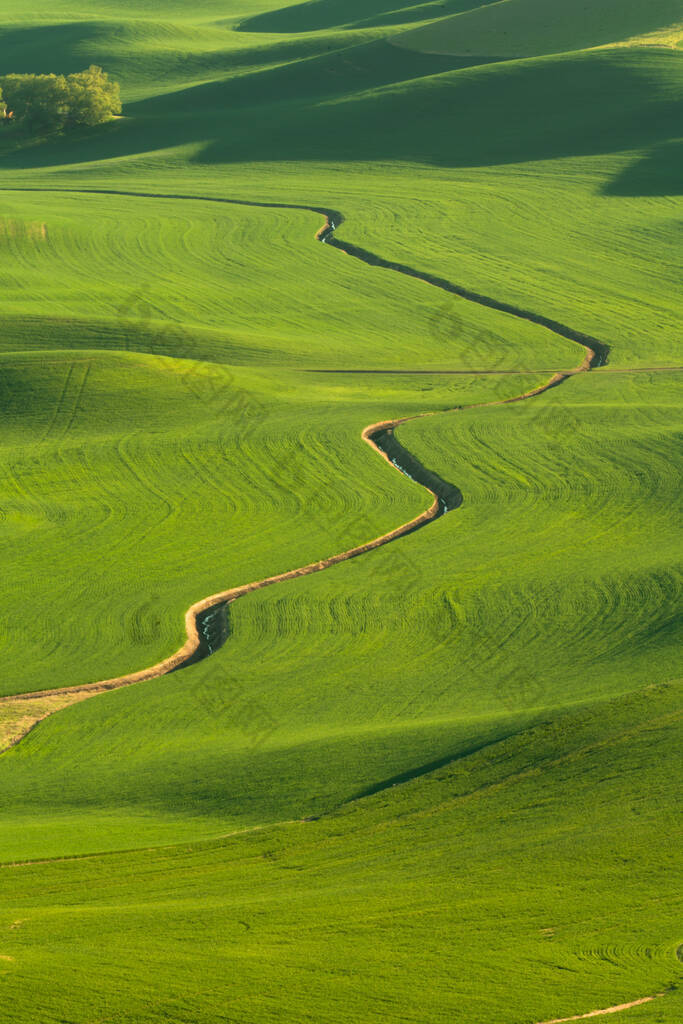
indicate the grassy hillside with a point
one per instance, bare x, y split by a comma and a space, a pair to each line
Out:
529, 28
543, 590
433, 783
352, 14
402, 906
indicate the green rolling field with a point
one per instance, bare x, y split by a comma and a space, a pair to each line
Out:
531, 28
434, 782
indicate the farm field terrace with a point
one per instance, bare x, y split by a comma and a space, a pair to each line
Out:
434, 782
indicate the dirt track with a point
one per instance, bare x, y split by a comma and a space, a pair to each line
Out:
192, 644
604, 1013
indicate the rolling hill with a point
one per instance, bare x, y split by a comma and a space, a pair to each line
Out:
532, 28
433, 782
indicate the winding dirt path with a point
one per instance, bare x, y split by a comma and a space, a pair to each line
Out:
379, 436
604, 1013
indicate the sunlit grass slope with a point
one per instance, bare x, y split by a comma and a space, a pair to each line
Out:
134, 485
552, 585
522, 883
480, 715
178, 459
144, 274
559, 213
529, 28
353, 14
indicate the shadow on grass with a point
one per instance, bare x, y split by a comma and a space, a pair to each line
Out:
375, 103
326, 14
426, 769
54, 49
659, 173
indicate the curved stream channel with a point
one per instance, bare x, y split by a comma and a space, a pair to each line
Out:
213, 623
207, 621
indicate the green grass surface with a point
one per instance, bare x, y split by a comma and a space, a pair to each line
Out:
544, 590
530, 28
402, 906
352, 14
481, 716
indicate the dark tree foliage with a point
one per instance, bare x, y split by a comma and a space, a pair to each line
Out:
46, 103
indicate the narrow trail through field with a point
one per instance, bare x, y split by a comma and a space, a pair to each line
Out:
203, 620
604, 1013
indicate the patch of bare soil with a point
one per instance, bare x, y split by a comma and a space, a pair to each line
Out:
18, 715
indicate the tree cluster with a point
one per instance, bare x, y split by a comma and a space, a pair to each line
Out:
47, 103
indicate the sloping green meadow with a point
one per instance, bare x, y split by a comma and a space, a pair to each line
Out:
462, 895
528, 28
435, 783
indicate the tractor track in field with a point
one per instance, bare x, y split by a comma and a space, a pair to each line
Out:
200, 617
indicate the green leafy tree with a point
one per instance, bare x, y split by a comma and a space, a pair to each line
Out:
39, 102
92, 97
46, 103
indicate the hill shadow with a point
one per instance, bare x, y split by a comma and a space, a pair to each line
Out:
67, 48
659, 173
54, 49
510, 112
341, 73
327, 14
375, 103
